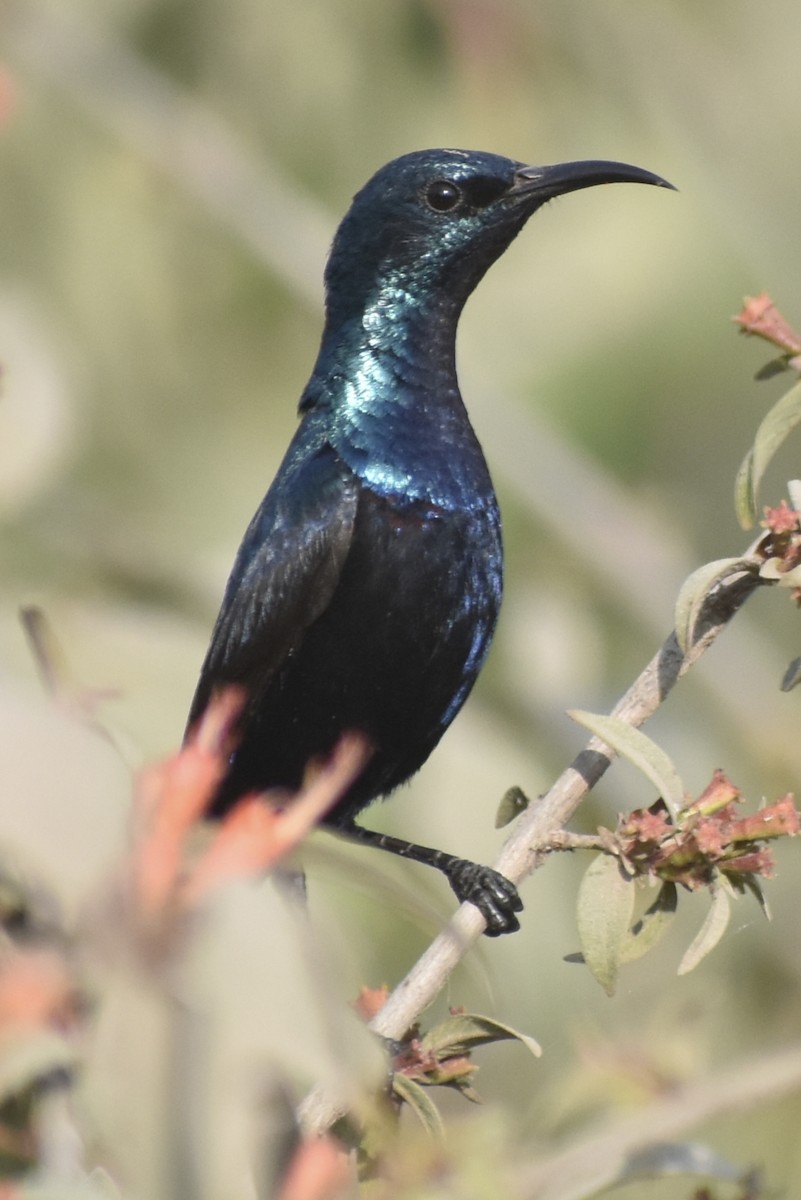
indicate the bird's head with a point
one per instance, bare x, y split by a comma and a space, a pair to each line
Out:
435, 220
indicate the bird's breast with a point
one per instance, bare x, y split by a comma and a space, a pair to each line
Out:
427, 576
408, 628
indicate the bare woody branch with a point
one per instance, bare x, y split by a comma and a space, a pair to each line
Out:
535, 831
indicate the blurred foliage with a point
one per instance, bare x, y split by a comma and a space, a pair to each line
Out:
172, 173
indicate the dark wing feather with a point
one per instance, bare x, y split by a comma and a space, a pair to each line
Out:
285, 574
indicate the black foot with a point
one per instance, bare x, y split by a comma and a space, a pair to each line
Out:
494, 896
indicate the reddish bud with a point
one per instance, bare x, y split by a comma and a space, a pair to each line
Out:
757, 862
719, 792
760, 316
776, 820
781, 519
710, 838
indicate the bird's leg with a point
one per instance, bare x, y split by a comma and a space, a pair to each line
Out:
493, 894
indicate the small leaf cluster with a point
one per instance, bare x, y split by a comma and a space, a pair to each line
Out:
783, 551
775, 558
760, 317
705, 845
707, 839
441, 1057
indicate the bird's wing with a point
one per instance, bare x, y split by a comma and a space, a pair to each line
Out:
285, 573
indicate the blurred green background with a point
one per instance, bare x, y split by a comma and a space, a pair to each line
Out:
172, 173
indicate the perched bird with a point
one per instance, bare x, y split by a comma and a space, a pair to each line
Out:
365, 592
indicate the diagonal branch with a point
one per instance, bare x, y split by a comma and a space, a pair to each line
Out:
526, 848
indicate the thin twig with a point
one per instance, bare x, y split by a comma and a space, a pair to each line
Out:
600, 1158
527, 846
564, 839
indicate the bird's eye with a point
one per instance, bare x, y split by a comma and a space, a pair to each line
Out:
442, 195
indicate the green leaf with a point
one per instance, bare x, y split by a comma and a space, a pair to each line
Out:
513, 803
694, 591
792, 676
652, 925
751, 884
604, 911
662, 1159
421, 1104
633, 745
710, 932
773, 430
462, 1032
775, 366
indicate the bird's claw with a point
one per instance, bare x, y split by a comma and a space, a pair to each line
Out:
495, 896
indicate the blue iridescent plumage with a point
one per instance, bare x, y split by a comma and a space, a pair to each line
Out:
367, 588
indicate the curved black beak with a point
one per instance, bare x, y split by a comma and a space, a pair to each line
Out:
542, 183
